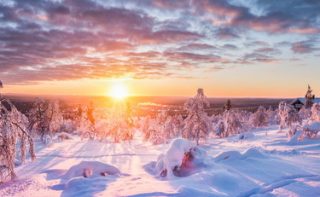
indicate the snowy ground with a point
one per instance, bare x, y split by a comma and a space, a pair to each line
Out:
262, 164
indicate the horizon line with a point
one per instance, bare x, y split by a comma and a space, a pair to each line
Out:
132, 96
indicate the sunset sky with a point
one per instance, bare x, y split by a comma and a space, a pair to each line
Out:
231, 48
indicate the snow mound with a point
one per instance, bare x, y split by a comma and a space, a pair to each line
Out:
84, 179
235, 155
174, 157
97, 169
230, 155
253, 152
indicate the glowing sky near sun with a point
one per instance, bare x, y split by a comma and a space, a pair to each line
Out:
161, 47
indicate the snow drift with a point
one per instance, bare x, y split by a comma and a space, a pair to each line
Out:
90, 169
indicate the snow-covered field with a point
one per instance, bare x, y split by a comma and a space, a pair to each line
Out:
262, 163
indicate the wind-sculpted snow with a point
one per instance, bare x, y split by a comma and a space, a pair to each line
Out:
234, 155
263, 164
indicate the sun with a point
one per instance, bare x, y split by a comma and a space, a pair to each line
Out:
118, 91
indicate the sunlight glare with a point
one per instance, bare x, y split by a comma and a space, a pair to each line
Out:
118, 91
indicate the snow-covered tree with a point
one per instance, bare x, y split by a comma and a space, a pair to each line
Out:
232, 122
144, 127
315, 112
151, 130
304, 113
13, 130
89, 113
288, 115
120, 122
162, 128
273, 117
45, 118
311, 129
56, 117
174, 123
86, 126
157, 130
220, 129
171, 127
259, 118
282, 114
197, 124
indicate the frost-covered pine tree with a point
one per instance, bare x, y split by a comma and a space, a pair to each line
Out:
197, 124
309, 98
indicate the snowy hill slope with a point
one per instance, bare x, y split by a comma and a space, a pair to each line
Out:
263, 163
